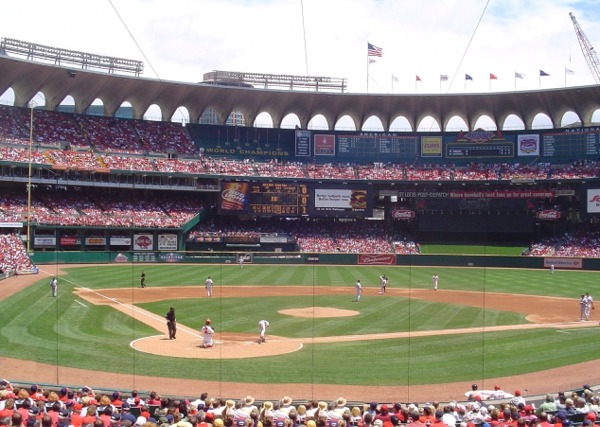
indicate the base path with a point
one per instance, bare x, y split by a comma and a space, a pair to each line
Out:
542, 312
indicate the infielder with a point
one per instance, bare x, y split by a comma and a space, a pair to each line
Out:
383, 280
589, 305
582, 307
208, 285
207, 334
358, 289
436, 280
262, 329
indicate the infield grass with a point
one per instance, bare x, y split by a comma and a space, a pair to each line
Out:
70, 331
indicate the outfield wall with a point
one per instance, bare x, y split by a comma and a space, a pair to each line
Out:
492, 261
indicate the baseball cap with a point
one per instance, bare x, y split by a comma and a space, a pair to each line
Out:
34, 411
125, 406
566, 422
384, 407
378, 423
63, 413
115, 417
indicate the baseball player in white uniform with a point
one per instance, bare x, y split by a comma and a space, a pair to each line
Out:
436, 280
208, 285
262, 329
54, 287
207, 334
589, 305
383, 280
358, 289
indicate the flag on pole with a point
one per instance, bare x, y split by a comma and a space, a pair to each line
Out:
493, 77
418, 79
468, 77
543, 73
443, 77
519, 75
373, 50
569, 71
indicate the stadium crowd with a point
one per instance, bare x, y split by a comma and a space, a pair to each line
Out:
99, 208
13, 255
87, 142
34, 406
323, 236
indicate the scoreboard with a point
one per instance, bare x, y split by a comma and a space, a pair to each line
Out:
571, 144
475, 149
264, 198
278, 198
377, 147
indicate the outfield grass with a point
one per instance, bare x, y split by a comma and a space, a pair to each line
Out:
66, 331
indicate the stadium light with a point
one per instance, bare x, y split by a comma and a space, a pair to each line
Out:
87, 61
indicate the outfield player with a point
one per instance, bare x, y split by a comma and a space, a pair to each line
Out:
358, 290
143, 280
207, 334
436, 280
208, 285
262, 329
54, 286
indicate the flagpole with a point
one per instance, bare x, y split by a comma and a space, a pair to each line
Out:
367, 71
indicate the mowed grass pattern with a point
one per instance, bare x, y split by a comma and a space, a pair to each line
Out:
70, 332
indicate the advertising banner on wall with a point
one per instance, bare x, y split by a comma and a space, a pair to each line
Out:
376, 259
44, 241
120, 241
593, 200
167, 242
142, 242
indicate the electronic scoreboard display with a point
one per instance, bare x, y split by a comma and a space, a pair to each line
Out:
479, 149
571, 144
377, 147
278, 198
264, 198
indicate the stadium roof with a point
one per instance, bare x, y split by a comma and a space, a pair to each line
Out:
28, 78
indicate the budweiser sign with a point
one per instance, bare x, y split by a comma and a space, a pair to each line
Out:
403, 214
377, 259
548, 214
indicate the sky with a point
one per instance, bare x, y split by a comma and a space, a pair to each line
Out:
180, 40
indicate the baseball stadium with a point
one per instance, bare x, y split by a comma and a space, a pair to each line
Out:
333, 236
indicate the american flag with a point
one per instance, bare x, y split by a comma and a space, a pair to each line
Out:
373, 50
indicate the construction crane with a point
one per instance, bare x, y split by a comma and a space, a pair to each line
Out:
588, 50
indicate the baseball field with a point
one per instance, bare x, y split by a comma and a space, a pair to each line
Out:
519, 328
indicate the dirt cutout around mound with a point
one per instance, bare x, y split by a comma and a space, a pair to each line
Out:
542, 312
